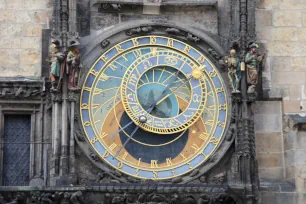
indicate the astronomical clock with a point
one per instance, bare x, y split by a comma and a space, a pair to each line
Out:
154, 107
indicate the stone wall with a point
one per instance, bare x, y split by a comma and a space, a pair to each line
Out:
21, 24
281, 28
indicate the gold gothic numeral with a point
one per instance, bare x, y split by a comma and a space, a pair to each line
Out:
209, 122
94, 140
189, 165
187, 49
103, 134
182, 155
120, 165
139, 160
195, 147
214, 141
213, 73
113, 67
204, 136
93, 72
104, 58
169, 161
220, 90
154, 164
97, 91
221, 124
155, 174
170, 43
87, 89
125, 58
119, 48
137, 172
222, 107
87, 124
113, 146
201, 59
106, 154
195, 98
137, 53
85, 106
103, 77
152, 40
124, 155
135, 42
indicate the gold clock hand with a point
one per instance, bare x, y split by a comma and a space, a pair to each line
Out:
161, 100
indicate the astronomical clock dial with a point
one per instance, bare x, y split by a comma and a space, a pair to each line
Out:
154, 107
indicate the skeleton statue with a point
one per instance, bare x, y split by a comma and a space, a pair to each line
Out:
234, 74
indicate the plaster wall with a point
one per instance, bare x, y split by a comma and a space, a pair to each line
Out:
21, 24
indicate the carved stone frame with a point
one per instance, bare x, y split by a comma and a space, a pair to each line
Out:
202, 40
30, 105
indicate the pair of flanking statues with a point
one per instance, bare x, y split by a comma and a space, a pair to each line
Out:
64, 63
251, 65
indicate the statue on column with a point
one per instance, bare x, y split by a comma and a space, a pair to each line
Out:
73, 65
253, 61
55, 59
234, 74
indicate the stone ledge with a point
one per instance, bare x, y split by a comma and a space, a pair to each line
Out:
163, 3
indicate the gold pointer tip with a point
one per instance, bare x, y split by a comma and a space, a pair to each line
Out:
196, 73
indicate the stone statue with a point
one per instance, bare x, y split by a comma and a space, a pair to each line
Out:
234, 73
55, 59
252, 61
73, 64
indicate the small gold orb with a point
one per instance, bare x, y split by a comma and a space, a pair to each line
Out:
196, 73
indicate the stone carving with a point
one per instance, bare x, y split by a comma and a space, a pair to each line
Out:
224, 199
73, 65
193, 38
219, 178
204, 199
213, 53
253, 61
105, 43
234, 74
139, 30
20, 92
174, 31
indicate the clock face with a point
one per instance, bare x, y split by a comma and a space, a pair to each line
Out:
154, 107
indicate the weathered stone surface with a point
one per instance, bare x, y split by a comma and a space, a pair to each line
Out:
7, 16
282, 78
11, 29
292, 4
9, 57
301, 32
34, 30
41, 16
29, 57
290, 141
268, 4
268, 142
268, 107
272, 174
284, 34
287, 18
264, 17
285, 48
290, 158
270, 160
24, 17
295, 92
300, 157
9, 42
299, 63
291, 106
30, 43
267, 123
264, 33
301, 140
